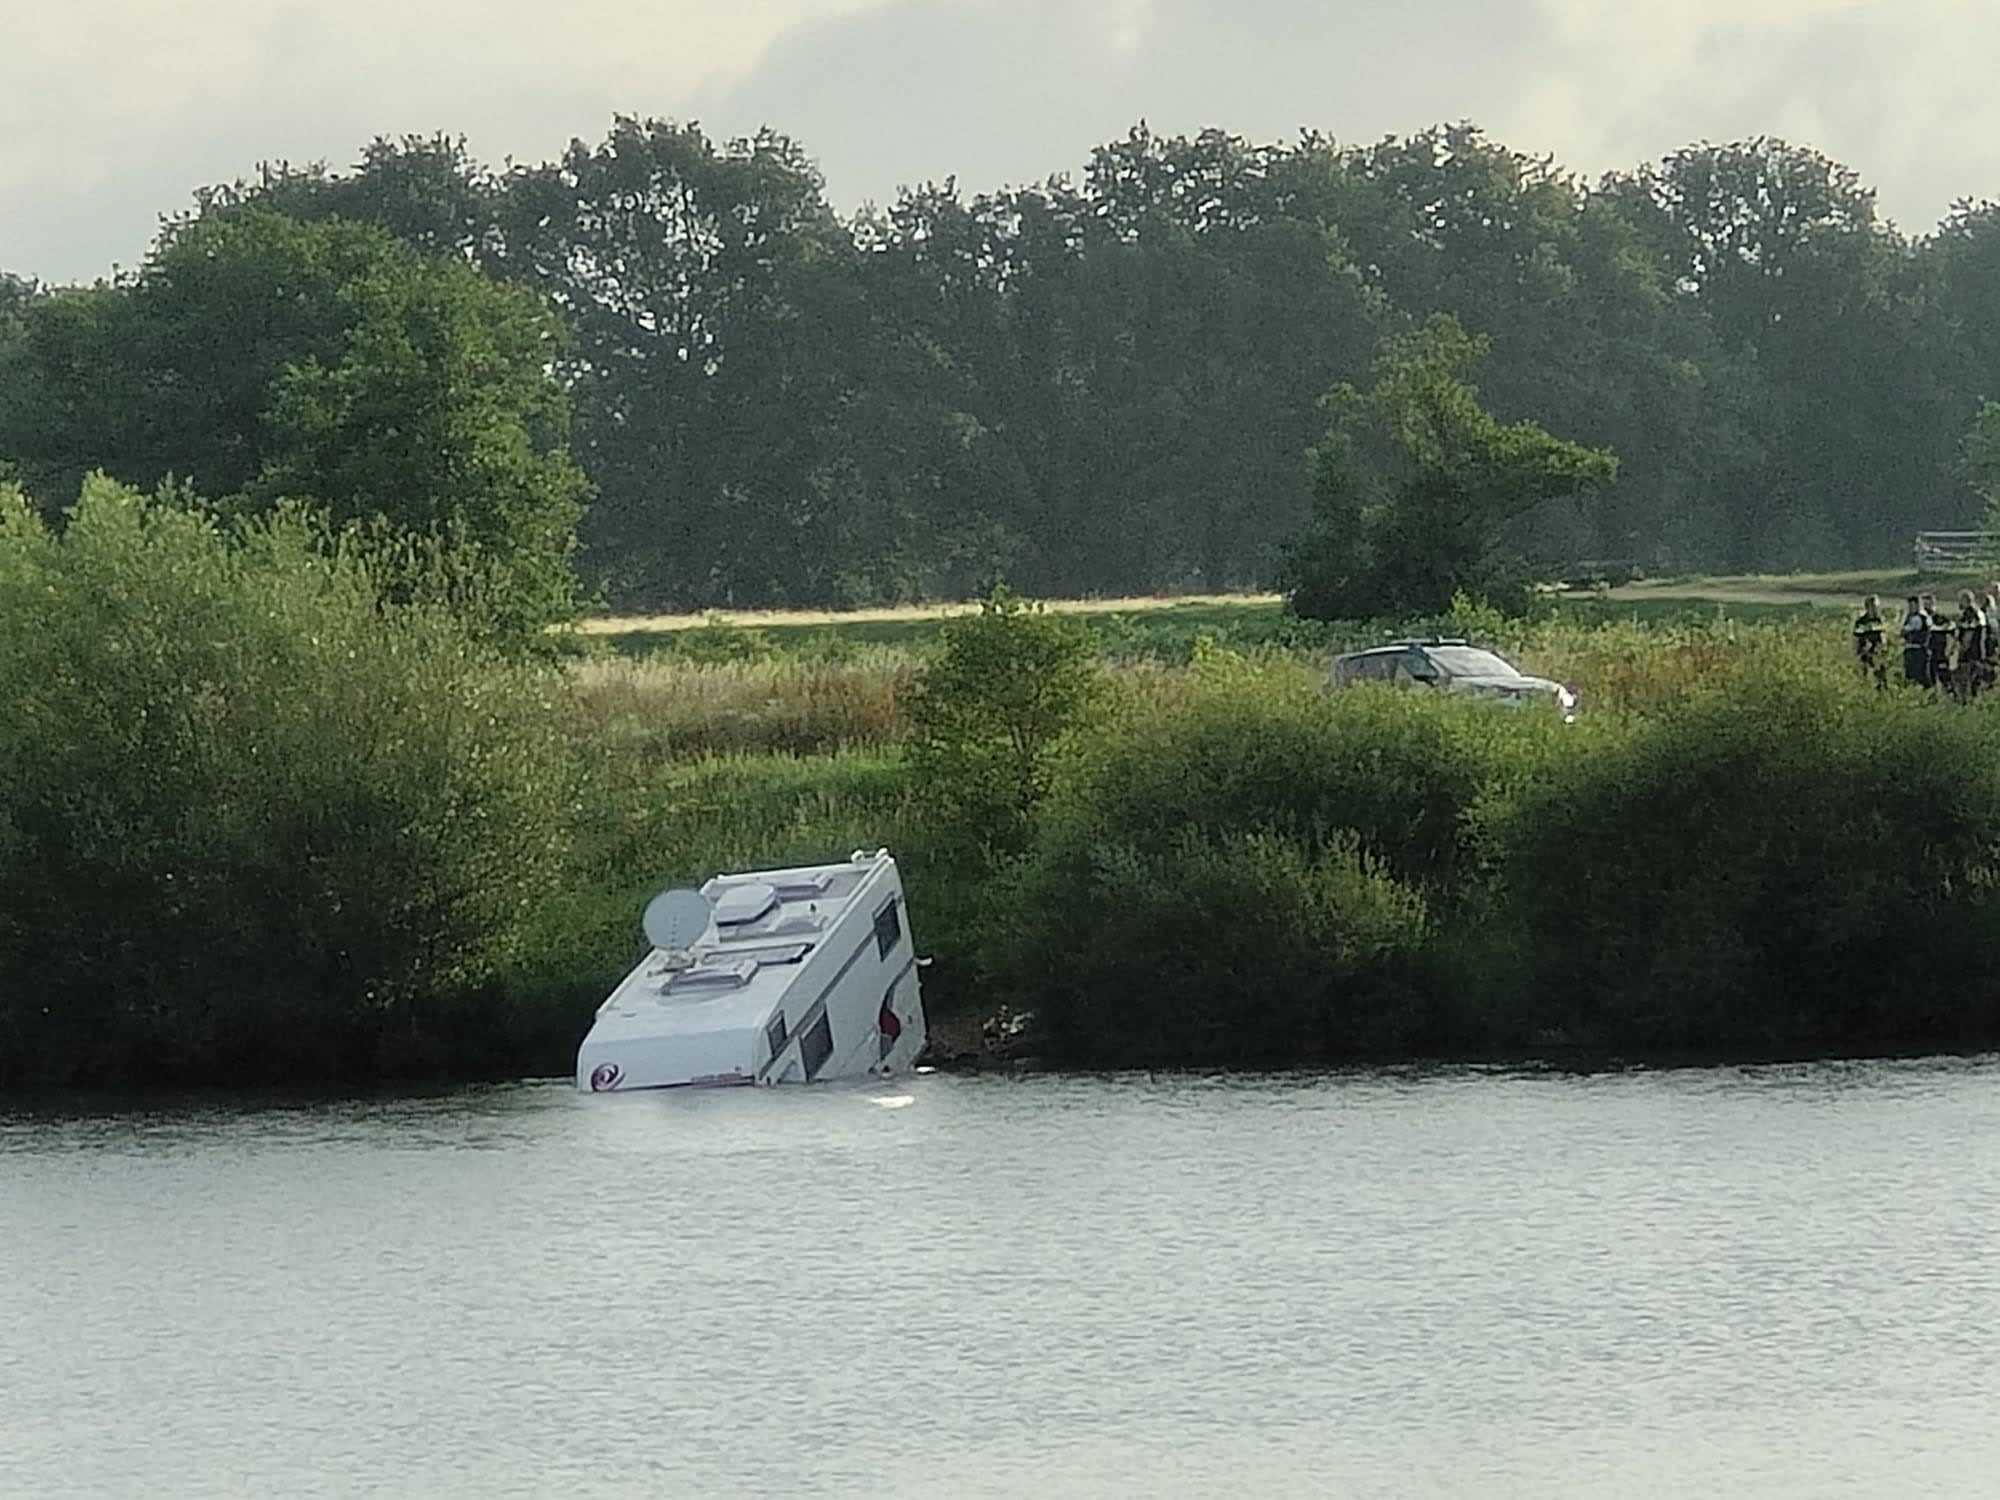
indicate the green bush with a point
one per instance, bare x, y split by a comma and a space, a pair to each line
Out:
1218, 950
717, 641
255, 824
1255, 871
1797, 863
1004, 688
1257, 746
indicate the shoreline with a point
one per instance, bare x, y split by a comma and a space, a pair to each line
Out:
966, 1044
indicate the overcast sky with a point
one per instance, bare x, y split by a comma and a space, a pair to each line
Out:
112, 111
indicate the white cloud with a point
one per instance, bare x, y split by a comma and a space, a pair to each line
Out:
1127, 22
1897, 89
102, 98
111, 111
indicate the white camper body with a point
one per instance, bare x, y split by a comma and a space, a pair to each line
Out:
801, 975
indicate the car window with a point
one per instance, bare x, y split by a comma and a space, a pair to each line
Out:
1415, 667
1370, 668
1470, 661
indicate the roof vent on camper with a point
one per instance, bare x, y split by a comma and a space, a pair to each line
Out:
804, 887
737, 904
724, 976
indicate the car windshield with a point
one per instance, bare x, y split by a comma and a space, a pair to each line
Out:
1470, 661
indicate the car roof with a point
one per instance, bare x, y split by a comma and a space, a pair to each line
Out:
1401, 646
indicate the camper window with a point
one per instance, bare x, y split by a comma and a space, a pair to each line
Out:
888, 928
816, 1046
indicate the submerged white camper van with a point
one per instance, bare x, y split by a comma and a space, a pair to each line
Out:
778, 976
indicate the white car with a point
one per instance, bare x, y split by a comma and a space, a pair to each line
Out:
1451, 666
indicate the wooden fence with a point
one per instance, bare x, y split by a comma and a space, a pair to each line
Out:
1940, 550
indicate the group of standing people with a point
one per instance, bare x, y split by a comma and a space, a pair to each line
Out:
1958, 654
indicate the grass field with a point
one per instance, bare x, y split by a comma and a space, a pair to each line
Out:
1127, 626
1169, 622
903, 624
1827, 590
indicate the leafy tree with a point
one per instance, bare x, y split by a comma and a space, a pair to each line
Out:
258, 358
438, 418
1982, 455
1783, 250
427, 191
15, 295
1585, 328
255, 823
1095, 384
675, 263
1416, 480
1965, 257
1149, 346
1007, 684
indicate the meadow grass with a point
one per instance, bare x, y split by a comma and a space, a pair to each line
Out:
760, 698
1370, 859
666, 708
1168, 623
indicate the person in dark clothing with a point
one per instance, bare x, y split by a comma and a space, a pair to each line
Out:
1916, 633
1940, 644
1869, 630
1973, 635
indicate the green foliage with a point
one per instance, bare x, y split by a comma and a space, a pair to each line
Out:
1982, 456
254, 825
1005, 686
1102, 384
262, 359
1799, 863
709, 292
1257, 872
438, 418
427, 191
716, 641
1416, 481
1262, 748
1220, 950
15, 297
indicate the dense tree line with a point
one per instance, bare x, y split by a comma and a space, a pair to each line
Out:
257, 359
1101, 384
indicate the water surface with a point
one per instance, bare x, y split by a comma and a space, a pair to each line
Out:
1770, 1282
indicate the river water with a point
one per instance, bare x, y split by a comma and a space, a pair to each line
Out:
1768, 1282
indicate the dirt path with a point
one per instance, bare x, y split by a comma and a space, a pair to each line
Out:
755, 619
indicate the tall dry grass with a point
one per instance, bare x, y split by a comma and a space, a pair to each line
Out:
667, 707
1626, 667
664, 708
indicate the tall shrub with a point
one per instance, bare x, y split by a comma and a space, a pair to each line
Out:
254, 824
1416, 482
1797, 863
1006, 685
1255, 872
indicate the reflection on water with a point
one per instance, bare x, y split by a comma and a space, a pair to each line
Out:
1768, 1281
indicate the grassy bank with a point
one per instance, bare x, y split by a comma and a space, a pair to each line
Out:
257, 827
1135, 625
1229, 865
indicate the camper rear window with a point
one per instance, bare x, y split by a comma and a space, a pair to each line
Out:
888, 928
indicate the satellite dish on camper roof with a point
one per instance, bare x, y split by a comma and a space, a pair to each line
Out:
676, 920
